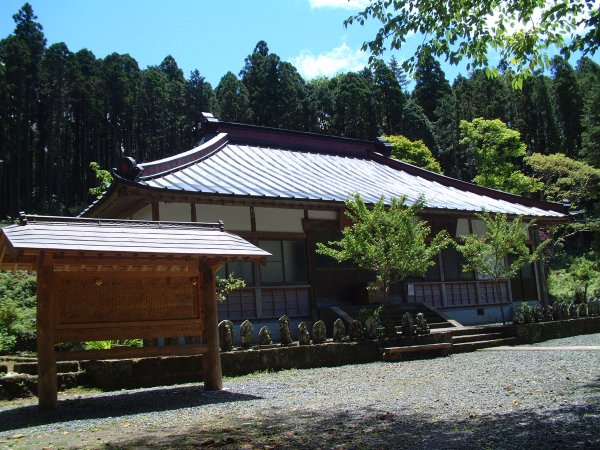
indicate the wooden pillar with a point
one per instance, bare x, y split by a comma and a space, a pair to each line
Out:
538, 269
211, 360
47, 383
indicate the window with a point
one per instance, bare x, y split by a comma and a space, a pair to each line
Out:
523, 284
243, 270
287, 263
453, 263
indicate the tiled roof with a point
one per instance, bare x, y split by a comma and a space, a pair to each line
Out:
126, 236
266, 171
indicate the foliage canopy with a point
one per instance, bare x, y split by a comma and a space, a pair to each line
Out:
520, 31
495, 147
565, 178
390, 241
486, 254
413, 152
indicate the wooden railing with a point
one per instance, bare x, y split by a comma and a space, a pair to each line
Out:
452, 294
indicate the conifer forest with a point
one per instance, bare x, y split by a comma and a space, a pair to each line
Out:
62, 110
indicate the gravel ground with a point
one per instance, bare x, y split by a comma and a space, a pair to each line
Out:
482, 400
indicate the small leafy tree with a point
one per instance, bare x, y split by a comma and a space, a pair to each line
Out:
104, 177
580, 279
413, 152
486, 254
228, 284
390, 241
495, 147
17, 312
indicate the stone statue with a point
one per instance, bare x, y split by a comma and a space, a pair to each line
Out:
355, 331
284, 330
421, 326
548, 313
594, 307
573, 311
339, 330
319, 332
264, 336
408, 325
518, 315
371, 328
564, 311
226, 335
539, 313
246, 334
303, 334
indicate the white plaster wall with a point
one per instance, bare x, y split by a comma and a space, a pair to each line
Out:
325, 215
175, 212
281, 220
143, 214
236, 218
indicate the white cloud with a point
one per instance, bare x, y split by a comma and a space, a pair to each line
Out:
344, 4
341, 58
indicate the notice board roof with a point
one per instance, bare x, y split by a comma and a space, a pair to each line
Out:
132, 238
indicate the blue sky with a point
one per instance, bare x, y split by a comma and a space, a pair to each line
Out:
213, 36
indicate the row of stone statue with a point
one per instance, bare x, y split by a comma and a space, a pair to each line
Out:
561, 311
355, 332
319, 333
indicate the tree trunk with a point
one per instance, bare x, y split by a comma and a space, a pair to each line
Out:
497, 286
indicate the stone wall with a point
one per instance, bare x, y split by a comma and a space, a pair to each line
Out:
146, 372
543, 331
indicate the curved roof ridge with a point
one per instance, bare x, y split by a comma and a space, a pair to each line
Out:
171, 163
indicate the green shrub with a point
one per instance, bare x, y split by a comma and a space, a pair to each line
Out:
577, 282
17, 312
528, 313
107, 345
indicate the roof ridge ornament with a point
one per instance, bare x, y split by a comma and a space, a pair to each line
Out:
207, 124
22, 218
386, 146
128, 169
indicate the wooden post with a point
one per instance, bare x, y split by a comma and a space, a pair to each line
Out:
539, 270
47, 389
211, 360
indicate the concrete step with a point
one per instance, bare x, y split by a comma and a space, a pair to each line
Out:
476, 337
476, 345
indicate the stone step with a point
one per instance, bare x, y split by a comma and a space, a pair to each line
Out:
439, 324
476, 345
479, 330
476, 337
396, 353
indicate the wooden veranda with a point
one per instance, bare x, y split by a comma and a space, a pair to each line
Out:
101, 279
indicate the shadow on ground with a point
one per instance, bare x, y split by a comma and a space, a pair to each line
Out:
566, 427
117, 405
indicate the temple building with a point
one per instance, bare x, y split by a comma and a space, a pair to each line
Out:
284, 191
